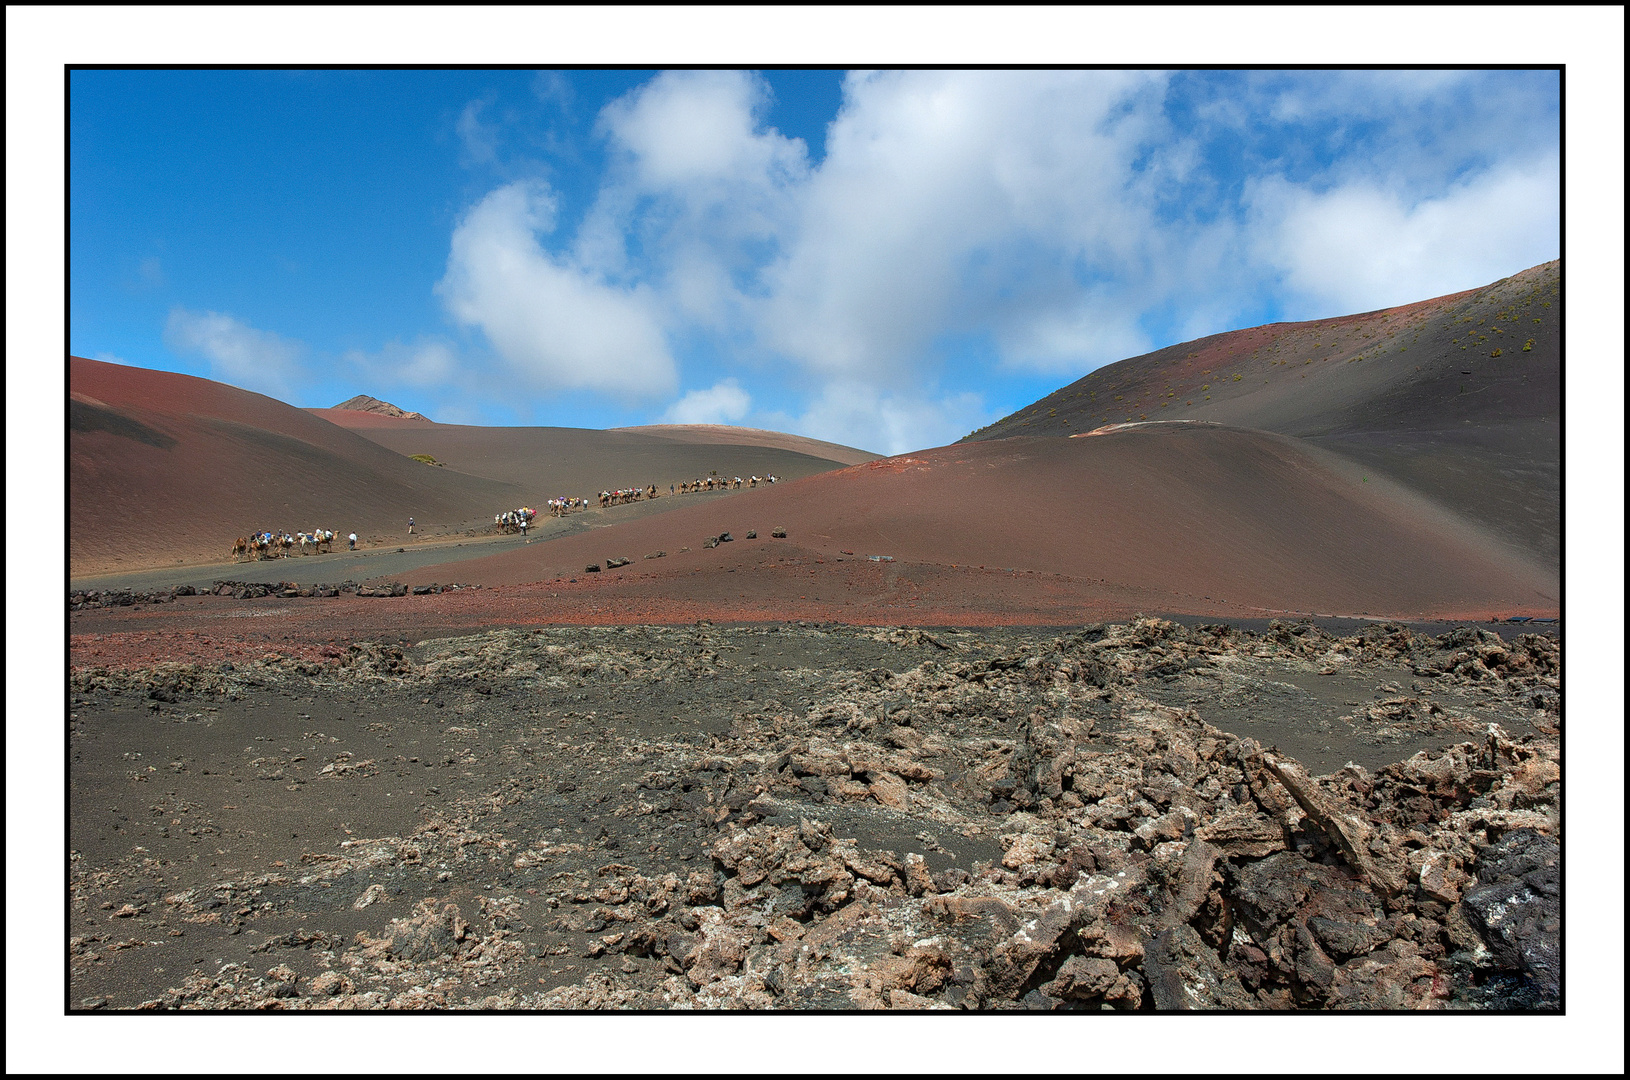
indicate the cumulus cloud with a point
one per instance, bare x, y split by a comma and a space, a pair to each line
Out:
427, 362
556, 322
965, 223
238, 354
854, 414
706, 189
956, 201
1360, 246
724, 402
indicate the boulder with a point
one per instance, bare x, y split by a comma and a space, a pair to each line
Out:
1517, 907
779, 532
1185, 974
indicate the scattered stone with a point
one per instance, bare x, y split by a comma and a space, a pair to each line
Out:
779, 532
826, 841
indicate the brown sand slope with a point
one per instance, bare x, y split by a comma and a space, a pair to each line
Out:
547, 462
1413, 391
744, 436
167, 468
1181, 517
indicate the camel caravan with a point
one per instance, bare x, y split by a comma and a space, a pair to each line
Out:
520, 519
270, 545
719, 483
515, 520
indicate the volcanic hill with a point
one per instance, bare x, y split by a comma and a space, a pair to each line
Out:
166, 468
1402, 463
1459, 397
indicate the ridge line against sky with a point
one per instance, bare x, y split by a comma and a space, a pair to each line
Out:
885, 259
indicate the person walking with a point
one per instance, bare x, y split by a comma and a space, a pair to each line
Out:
410, 526
353, 541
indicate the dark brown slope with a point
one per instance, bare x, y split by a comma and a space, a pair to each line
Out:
1196, 518
1415, 392
166, 468
547, 462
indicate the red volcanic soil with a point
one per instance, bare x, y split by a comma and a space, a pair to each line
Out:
1188, 519
743, 436
1175, 518
166, 468
1458, 397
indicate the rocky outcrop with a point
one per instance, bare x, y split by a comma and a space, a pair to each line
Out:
1133, 855
364, 403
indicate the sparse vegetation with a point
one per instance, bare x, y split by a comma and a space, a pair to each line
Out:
426, 458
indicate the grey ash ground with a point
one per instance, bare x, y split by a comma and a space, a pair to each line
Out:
825, 817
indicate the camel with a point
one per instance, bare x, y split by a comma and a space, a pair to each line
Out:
240, 546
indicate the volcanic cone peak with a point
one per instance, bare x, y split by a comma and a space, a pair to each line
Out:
364, 403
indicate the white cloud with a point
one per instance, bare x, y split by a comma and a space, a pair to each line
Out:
702, 183
1359, 246
427, 362
954, 201
1036, 221
688, 131
479, 139
854, 414
238, 354
559, 324
724, 402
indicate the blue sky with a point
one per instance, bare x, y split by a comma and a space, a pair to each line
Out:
888, 259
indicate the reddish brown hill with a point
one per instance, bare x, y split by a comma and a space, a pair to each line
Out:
1459, 397
361, 420
166, 468
1195, 518
365, 404
551, 461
